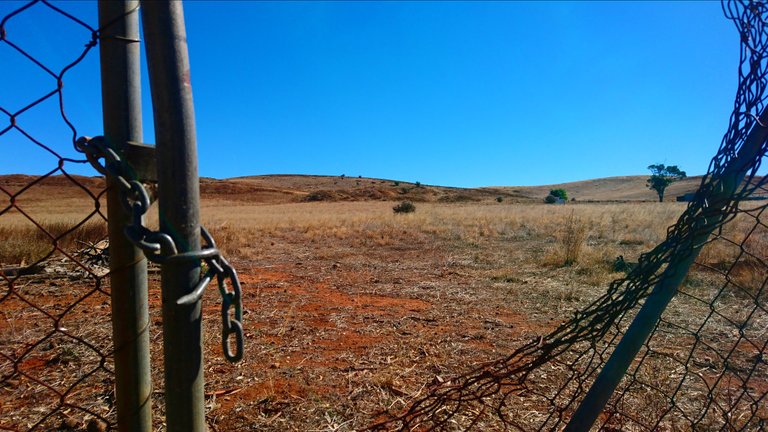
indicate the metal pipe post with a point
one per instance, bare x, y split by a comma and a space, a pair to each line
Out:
179, 197
645, 321
629, 346
121, 100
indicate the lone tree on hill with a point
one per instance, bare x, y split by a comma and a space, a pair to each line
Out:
663, 176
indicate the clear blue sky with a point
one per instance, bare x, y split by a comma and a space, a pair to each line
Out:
449, 93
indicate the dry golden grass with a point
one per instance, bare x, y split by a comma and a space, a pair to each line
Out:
351, 308
637, 224
26, 243
588, 236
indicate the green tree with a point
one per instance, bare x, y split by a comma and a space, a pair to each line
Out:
559, 193
663, 176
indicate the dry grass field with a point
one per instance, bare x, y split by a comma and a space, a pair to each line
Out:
350, 309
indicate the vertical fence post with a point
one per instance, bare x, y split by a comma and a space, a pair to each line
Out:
645, 321
179, 196
121, 100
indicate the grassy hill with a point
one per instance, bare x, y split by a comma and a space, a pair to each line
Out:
292, 188
625, 188
273, 189
282, 188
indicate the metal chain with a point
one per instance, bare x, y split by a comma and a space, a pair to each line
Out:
160, 248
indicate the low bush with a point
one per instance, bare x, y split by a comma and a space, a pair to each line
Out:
559, 193
404, 207
320, 195
573, 236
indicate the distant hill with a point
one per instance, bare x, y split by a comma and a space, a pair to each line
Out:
624, 188
296, 188
270, 189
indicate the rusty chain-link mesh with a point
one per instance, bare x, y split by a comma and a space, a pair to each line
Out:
705, 366
56, 368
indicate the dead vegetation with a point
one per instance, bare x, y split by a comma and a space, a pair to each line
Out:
28, 243
350, 310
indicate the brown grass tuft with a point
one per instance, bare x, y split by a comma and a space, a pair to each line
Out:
26, 244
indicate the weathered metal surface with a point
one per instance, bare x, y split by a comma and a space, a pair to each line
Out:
121, 100
178, 185
142, 160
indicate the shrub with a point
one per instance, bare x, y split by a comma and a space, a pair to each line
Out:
620, 265
550, 199
499, 199
559, 193
321, 195
404, 207
573, 236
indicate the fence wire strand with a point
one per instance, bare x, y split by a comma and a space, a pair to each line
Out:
705, 366
56, 367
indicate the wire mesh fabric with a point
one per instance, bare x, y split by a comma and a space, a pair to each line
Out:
56, 367
705, 366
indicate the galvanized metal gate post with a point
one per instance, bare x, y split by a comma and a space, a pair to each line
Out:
121, 99
645, 321
178, 189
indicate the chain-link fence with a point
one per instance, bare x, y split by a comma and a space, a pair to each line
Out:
55, 365
60, 366
705, 364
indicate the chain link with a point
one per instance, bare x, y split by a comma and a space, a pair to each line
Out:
160, 248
